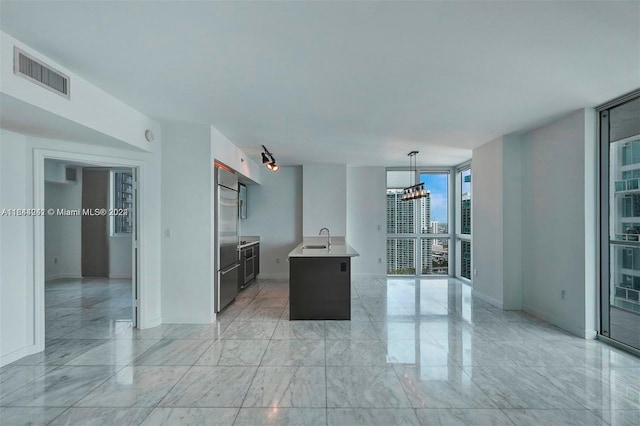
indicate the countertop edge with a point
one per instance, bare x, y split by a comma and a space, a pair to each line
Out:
348, 251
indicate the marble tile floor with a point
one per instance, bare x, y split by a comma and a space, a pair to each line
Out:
417, 352
625, 326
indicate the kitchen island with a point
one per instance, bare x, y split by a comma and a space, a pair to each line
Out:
320, 279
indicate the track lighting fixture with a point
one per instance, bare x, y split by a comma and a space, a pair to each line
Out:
416, 190
269, 161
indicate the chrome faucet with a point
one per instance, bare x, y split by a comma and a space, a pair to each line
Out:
328, 237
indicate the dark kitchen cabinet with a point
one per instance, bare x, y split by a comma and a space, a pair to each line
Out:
256, 263
249, 265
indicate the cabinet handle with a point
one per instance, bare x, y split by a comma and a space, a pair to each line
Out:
230, 269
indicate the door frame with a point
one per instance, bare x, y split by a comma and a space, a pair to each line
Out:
39, 157
602, 220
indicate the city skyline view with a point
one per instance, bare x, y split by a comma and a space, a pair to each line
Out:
437, 184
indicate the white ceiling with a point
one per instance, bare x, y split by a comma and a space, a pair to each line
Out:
345, 82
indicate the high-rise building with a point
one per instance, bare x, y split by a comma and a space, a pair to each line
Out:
435, 227
401, 255
400, 214
626, 210
465, 216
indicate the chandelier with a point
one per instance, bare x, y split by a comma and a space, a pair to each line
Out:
416, 190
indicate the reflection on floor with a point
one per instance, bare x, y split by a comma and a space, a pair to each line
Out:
416, 352
625, 327
89, 308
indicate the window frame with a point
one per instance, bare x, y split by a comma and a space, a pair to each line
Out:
461, 237
417, 236
113, 204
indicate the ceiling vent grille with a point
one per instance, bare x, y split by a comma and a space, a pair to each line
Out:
40, 73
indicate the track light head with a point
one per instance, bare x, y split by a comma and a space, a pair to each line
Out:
269, 160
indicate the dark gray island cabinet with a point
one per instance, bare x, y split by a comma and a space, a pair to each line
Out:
320, 282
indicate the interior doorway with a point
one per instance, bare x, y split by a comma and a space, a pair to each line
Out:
90, 252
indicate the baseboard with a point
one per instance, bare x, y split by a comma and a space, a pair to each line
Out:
186, 319
62, 277
150, 323
577, 331
17, 354
120, 277
487, 299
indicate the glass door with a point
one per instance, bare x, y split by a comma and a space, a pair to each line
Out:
620, 222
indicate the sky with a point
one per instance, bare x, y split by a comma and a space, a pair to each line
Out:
437, 184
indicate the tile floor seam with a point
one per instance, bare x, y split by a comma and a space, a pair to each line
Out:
326, 385
502, 410
166, 394
254, 375
558, 388
64, 411
93, 388
385, 293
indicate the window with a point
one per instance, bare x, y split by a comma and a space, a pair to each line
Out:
122, 219
463, 227
417, 230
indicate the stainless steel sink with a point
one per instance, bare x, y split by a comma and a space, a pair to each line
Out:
314, 246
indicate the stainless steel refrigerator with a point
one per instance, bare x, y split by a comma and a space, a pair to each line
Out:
226, 219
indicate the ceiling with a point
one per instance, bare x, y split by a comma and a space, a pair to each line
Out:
360, 83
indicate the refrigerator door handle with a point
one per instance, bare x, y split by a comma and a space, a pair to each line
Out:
230, 269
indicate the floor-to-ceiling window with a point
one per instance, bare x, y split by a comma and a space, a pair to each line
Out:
418, 237
620, 221
463, 222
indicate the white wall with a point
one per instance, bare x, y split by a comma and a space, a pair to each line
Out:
88, 105
16, 254
120, 256
226, 152
103, 119
487, 221
366, 220
324, 199
534, 222
188, 211
63, 234
17, 294
274, 212
512, 222
558, 206
187, 222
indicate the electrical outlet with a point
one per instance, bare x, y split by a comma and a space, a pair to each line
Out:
379, 227
277, 260
379, 260
55, 260
563, 294
475, 272
167, 232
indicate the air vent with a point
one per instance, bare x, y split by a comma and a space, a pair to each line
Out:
40, 73
71, 174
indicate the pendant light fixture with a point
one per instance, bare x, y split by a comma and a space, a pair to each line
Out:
269, 161
416, 190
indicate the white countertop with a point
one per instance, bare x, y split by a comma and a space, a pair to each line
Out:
339, 248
